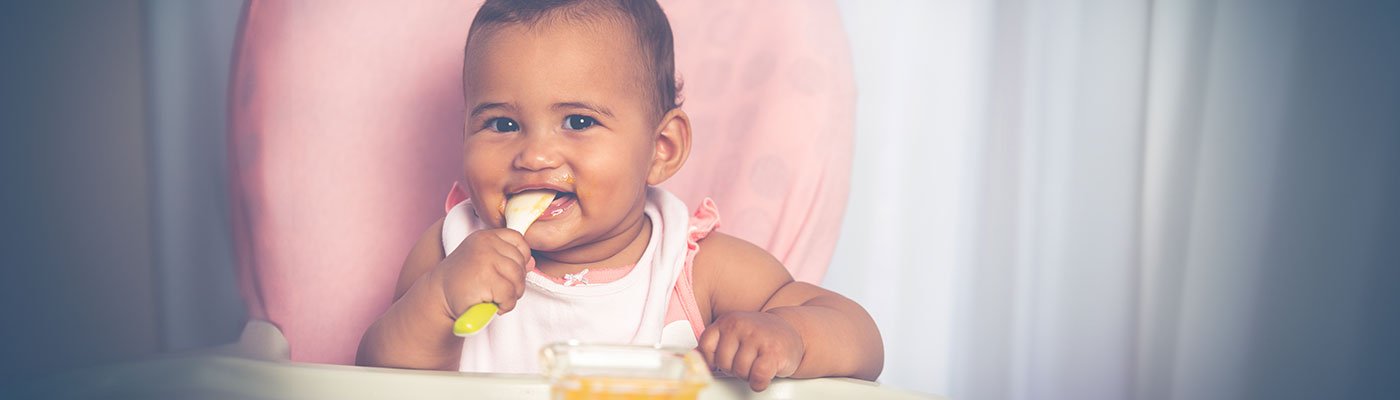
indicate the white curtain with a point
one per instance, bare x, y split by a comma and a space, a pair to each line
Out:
188, 47
1128, 198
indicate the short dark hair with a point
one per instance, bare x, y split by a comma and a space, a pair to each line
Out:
649, 26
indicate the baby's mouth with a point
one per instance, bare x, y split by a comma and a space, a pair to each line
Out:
563, 202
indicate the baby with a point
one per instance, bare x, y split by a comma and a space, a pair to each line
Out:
579, 97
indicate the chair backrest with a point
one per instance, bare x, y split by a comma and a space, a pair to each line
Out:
345, 135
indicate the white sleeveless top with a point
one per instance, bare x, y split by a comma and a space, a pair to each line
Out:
629, 310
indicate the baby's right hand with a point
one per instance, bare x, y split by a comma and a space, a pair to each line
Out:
489, 266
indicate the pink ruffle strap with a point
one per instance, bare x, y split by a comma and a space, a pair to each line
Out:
704, 221
454, 196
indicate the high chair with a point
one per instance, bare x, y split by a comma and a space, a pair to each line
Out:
345, 137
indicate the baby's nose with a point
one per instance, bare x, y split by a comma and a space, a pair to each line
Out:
538, 153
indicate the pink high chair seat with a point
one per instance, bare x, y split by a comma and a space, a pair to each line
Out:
346, 127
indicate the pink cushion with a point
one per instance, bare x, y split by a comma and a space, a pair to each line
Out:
346, 129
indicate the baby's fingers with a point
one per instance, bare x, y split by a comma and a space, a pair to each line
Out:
718, 348
515, 241
764, 369
744, 360
708, 342
509, 288
724, 353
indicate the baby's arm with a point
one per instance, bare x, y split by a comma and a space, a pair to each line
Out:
416, 331
410, 334
765, 324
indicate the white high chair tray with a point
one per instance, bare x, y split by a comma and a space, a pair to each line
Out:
211, 376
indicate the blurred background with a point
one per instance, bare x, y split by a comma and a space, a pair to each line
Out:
1092, 199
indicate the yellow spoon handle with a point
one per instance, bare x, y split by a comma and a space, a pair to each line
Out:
476, 318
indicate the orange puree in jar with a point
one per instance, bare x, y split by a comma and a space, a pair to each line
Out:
623, 372
607, 388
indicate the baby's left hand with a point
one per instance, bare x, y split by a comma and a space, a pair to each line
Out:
755, 346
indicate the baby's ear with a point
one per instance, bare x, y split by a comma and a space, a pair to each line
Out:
672, 146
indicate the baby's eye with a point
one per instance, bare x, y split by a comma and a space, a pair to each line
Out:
502, 125
578, 122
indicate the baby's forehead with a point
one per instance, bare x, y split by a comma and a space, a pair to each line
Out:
596, 51
558, 43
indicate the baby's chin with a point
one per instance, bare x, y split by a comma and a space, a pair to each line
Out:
544, 246
549, 242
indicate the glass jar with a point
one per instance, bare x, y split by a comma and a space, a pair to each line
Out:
617, 372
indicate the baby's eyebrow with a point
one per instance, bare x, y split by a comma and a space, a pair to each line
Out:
480, 108
587, 106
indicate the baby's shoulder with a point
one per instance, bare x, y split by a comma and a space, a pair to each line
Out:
730, 273
721, 250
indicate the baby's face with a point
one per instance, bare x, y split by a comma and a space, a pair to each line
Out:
559, 106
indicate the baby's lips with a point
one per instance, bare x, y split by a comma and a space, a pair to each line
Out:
558, 183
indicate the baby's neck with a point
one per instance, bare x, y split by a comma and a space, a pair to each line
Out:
633, 243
